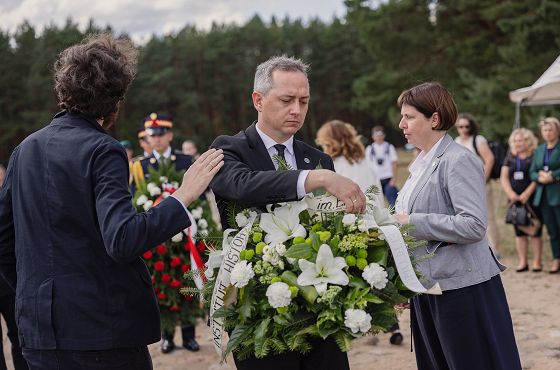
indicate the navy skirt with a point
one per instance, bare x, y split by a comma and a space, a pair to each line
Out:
465, 329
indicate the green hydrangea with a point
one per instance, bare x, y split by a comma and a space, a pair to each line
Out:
353, 241
329, 295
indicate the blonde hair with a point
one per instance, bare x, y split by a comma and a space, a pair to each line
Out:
551, 121
528, 137
340, 138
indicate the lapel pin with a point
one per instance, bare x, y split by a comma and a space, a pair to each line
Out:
173, 157
306, 160
152, 160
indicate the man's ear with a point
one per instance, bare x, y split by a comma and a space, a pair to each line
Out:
257, 100
170, 133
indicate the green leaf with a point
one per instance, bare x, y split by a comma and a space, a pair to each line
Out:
261, 347
378, 254
344, 340
302, 250
246, 306
237, 336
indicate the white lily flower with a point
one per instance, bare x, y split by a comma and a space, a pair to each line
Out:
283, 223
214, 261
366, 223
327, 269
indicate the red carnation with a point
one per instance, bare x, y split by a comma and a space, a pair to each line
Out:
185, 268
189, 297
201, 247
159, 266
174, 308
175, 284
147, 255
165, 278
161, 296
160, 249
175, 261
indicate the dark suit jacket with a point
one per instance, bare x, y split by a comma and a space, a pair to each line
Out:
249, 177
66, 216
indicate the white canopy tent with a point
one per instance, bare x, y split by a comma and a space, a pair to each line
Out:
545, 91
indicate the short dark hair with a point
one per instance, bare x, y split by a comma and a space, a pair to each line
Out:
473, 126
429, 98
92, 77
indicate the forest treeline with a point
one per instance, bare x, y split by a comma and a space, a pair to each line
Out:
479, 49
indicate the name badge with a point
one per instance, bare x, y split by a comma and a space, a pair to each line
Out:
518, 175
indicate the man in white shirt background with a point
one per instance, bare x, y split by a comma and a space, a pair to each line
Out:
384, 158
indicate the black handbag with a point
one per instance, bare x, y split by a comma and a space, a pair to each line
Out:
517, 214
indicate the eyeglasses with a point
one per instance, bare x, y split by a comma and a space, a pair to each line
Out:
463, 126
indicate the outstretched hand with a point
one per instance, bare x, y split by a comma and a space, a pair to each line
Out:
341, 187
198, 176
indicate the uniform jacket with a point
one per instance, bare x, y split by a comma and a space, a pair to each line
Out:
448, 208
249, 177
66, 217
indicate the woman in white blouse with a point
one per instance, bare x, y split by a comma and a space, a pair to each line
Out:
342, 143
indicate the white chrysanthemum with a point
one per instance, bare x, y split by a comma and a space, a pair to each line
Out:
365, 224
177, 238
357, 320
280, 249
349, 219
197, 213
271, 255
241, 273
241, 220
148, 205
141, 200
175, 184
375, 275
163, 179
165, 194
279, 295
202, 223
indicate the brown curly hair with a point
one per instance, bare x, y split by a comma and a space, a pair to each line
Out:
340, 138
92, 77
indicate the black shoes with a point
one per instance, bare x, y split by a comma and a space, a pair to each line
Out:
522, 269
191, 344
396, 339
167, 346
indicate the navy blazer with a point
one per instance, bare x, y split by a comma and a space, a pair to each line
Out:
249, 177
66, 217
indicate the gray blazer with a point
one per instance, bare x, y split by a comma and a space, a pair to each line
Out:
448, 208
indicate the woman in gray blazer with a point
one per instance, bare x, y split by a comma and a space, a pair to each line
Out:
468, 326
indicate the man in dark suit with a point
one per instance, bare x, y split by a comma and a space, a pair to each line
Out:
84, 296
159, 130
249, 177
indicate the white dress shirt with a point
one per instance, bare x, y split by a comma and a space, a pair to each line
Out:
288, 154
416, 170
165, 154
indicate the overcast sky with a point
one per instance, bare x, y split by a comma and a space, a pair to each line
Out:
142, 18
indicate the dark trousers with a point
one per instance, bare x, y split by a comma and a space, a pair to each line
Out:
7, 308
551, 218
113, 359
390, 192
187, 331
464, 329
324, 355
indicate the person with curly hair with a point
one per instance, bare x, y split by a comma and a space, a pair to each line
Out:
84, 296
